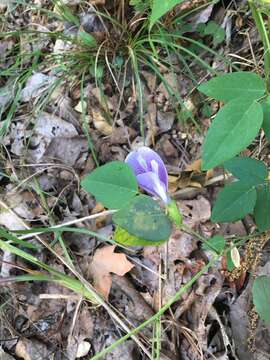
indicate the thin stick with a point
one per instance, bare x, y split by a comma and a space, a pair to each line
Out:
71, 222
59, 297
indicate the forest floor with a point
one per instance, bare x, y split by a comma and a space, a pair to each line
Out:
83, 83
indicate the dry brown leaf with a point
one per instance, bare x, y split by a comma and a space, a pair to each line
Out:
173, 83
195, 184
184, 180
81, 106
31, 350
173, 183
150, 120
66, 150
196, 211
98, 208
100, 123
151, 80
106, 261
105, 102
30, 201
100, 221
194, 166
172, 179
209, 174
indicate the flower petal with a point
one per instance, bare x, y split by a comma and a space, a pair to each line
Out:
147, 160
151, 183
137, 163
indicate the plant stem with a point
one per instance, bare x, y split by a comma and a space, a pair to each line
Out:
257, 15
188, 230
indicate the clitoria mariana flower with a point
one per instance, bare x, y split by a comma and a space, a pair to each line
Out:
152, 177
150, 172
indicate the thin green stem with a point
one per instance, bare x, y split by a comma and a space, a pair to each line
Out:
257, 15
85, 124
188, 230
139, 89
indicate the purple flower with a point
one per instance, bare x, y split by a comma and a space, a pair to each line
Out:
150, 172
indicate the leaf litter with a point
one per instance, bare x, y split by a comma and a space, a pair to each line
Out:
48, 148
105, 262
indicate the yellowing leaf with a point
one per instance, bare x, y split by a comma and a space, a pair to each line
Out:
124, 238
106, 261
100, 123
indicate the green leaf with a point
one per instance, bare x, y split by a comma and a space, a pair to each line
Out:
97, 71
65, 13
262, 207
160, 8
239, 84
207, 111
233, 129
266, 118
261, 297
13, 239
113, 184
219, 36
211, 28
124, 238
201, 28
87, 39
234, 202
249, 171
216, 243
140, 5
144, 218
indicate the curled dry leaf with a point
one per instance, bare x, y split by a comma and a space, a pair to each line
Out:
100, 123
104, 262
